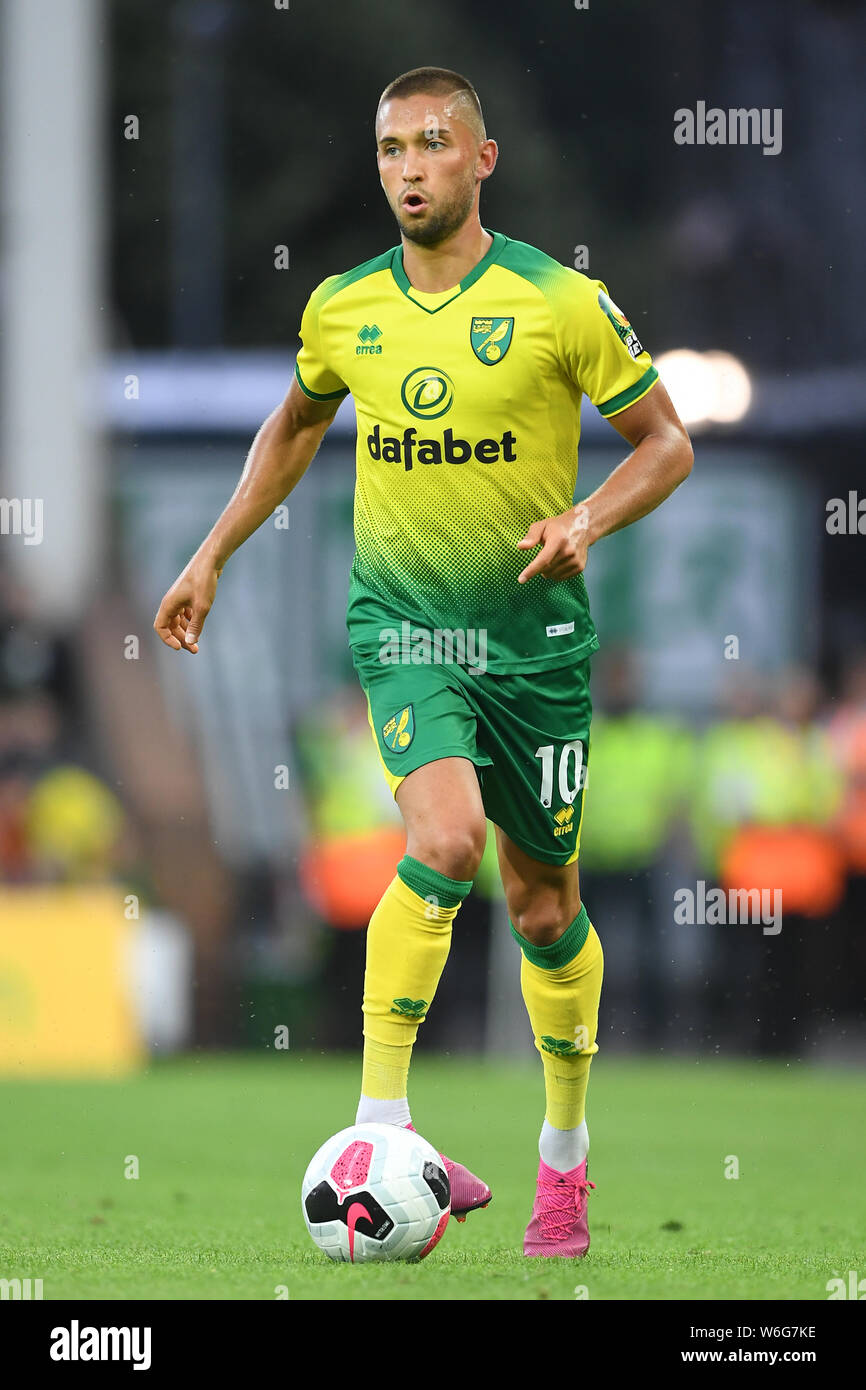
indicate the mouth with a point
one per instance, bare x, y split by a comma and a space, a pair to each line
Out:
414, 202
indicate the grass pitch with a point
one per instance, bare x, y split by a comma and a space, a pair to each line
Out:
222, 1144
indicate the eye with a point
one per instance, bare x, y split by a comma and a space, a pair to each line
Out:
390, 149
440, 143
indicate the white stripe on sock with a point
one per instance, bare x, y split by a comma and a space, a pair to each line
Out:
383, 1112
563, 1149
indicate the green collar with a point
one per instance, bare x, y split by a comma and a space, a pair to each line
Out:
494, 251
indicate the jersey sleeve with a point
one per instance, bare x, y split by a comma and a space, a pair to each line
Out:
601, 352
314, 376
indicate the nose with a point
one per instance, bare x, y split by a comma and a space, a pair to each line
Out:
411, 168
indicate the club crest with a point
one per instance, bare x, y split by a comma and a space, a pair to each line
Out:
399, 730
491, 339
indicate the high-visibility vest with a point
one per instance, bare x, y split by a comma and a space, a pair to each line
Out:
803, 863
847, 734
356, 831
760, 772
639, 774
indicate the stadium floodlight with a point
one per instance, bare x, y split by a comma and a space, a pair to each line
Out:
705, 387
733, 387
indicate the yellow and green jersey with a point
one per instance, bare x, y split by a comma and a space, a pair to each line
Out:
468, 412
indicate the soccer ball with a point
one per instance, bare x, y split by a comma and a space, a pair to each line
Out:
376, 1192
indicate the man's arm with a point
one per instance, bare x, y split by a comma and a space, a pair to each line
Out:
279, 456
662, 458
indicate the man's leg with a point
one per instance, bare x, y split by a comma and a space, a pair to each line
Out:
409, 935
561, 974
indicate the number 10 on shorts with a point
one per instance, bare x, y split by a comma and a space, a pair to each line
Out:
570, 781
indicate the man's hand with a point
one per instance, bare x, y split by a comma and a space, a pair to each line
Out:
662, 458
186, 605
564, 542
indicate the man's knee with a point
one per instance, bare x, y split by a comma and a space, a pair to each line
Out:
542, 914
453, 849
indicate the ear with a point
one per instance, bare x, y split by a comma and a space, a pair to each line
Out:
488, 153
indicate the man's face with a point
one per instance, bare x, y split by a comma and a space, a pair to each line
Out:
428, 165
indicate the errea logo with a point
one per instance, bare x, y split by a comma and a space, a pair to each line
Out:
368, 336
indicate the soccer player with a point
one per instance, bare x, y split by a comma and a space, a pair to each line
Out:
467, 354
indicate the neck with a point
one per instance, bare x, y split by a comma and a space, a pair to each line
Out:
432, 269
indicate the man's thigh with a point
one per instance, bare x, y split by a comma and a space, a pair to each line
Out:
417, 714
535, 730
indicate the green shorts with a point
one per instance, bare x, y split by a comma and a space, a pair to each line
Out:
528, 736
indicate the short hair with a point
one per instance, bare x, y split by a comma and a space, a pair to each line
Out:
439, 82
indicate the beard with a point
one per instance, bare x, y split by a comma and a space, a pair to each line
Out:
439, 224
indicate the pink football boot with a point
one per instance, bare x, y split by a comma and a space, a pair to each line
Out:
468, 1193
558, 1225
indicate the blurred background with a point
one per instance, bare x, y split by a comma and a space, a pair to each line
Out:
190, 850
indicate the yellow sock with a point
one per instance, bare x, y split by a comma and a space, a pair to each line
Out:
408, 941
561, 987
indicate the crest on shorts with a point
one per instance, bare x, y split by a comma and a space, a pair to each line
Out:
490, 339
399, 731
